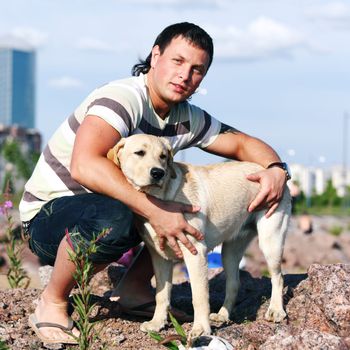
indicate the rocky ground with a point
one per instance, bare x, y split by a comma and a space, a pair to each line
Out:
316, 295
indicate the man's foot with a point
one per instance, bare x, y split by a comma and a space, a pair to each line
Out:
51, 322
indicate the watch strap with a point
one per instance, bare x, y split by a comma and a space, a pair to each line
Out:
283, 166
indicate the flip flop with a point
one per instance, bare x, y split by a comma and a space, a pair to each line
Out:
147, 310
35, 325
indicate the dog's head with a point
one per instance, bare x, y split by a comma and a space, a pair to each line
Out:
145, 160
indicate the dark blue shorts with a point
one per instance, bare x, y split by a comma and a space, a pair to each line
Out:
87, 215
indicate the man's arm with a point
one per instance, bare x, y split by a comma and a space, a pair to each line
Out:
91, 168
234, 144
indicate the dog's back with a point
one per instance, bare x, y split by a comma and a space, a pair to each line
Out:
223, 193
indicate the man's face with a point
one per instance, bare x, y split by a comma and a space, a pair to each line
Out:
177, 72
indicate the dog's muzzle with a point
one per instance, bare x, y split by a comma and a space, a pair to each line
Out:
157, 173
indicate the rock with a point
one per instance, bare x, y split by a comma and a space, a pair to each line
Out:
308, 339
317, 305
334, 302
317, 302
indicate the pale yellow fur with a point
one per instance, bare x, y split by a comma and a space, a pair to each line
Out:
223, 193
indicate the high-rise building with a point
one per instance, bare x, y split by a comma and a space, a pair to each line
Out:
17, 86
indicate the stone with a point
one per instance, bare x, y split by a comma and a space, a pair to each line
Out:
317, 304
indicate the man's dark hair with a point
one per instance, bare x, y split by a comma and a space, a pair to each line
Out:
193, 33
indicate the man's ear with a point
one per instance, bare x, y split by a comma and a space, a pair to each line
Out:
113, 153
155, 53
167, 144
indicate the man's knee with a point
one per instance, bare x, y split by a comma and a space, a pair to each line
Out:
115, 227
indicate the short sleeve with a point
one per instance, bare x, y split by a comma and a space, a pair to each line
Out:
120, 106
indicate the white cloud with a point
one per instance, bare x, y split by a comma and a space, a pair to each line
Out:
92, 44
23, 38
33, 36
198, 4
333, 11
10, 41
65, 82
263, 38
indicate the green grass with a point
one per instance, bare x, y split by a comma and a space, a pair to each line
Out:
336, 230
320, 211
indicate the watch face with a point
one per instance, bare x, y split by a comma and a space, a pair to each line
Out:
288, 173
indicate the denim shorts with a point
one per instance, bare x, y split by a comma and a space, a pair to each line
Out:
86, 215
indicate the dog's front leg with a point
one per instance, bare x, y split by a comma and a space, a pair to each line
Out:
163, 270
197, 267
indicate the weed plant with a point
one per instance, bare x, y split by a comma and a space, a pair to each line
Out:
3, 345
16, 275
80, 254
170, 341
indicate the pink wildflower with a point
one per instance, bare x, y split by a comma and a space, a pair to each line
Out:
8, 204
69, 240
5, 206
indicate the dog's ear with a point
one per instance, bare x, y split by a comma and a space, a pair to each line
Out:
113, 152
167, 144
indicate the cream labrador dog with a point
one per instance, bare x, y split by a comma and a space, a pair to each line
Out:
223, 193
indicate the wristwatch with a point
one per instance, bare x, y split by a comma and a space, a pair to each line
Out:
283, 166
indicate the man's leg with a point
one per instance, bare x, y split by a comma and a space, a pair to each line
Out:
85, 216
134, 288
53, 303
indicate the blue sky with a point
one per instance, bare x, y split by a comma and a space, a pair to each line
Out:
281, 69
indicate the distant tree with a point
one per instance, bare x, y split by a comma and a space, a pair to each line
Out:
8, 184
346, 198
329, 198
22, 162
300, 202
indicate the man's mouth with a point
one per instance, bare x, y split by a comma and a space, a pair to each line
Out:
179, 88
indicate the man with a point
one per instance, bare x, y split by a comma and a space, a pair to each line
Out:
75, 186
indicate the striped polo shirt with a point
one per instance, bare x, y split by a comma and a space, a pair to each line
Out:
126, 106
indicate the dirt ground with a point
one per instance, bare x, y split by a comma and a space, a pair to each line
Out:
123, 332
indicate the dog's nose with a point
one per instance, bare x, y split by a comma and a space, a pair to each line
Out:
157, 173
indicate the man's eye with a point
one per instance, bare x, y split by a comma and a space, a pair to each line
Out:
198, 71
140, 153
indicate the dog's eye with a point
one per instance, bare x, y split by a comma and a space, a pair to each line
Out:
162, 156
140, 153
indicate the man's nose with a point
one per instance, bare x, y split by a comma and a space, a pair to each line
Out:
185, 73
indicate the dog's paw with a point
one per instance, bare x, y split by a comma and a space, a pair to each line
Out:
275, 315
151, 326
199, 330
218, 318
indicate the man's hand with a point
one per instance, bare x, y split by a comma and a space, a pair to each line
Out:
272, 182
171, 226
